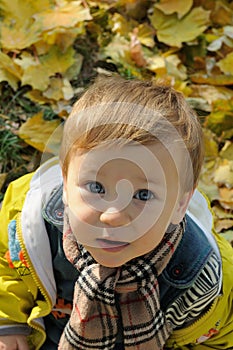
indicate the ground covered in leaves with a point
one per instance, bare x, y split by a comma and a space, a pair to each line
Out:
50, 50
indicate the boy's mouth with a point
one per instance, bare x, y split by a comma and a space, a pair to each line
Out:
111, 246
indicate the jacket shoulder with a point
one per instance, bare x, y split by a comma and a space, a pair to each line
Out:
12, 204
185, 265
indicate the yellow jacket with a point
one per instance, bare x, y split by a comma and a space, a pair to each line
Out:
27, 285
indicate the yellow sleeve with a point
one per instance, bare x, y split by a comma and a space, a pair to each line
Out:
16, 300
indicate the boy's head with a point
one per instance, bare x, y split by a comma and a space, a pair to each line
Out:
132, 110
131, 156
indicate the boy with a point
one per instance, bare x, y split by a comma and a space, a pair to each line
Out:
140, 267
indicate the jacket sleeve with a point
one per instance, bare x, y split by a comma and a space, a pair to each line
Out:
16, 301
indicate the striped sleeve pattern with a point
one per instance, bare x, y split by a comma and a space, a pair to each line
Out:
190, 305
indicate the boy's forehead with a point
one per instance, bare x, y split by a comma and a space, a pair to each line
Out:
149, 159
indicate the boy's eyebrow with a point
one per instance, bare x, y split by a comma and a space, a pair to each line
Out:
93, 172
145, 180
142, 179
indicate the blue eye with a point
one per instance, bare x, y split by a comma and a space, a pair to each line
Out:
95, 187
144, 195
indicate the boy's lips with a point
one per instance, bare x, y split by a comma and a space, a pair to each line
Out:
112, 246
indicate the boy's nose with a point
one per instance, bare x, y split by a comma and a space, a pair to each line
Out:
114, 217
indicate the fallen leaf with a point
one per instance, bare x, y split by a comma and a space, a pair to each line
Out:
210, 144
146, 35
198, 103
221, 117
173, 31
226, 64
228, 31
227, 150
136, 9
9, 71
175, 68
210, 190
222, 13
118, 51
212, 93
18, 27
223, 176
19, 36
10, 78
226, 197
67, 15
119, 24
215, 45
206, 183
38, 76
224, 224
59, 89
74, 70
7, 64
3, 177
61, 37
37, 132
25, 60
170, 6
212, 80
37, 97
136, 53
221, 213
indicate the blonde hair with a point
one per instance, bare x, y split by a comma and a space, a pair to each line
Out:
131, 110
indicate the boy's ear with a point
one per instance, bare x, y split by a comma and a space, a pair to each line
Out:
181, 207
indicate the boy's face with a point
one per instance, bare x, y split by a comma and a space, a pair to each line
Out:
122, 199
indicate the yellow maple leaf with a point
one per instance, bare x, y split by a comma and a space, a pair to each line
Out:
224, 174
146, 35
170, 6
18, 27
157, 64
173, 31
119, 24
25, 60
37, 97
62, 37
118, 49
226, 197
59, 89
7, 63
217, 79
54, 62
37, 132
175, 68
212, 93
226, 64
10, 78
211, 146
68, 14
9, 71
120, 52
19, 36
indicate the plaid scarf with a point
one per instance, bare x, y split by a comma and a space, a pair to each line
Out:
112, 300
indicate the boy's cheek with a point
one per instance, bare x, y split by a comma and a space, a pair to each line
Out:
180, 208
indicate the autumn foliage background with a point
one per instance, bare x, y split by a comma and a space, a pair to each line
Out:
50, 50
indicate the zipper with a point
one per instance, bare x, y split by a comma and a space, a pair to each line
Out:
32, 323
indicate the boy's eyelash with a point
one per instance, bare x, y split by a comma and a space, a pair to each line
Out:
144, 195
97, 188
